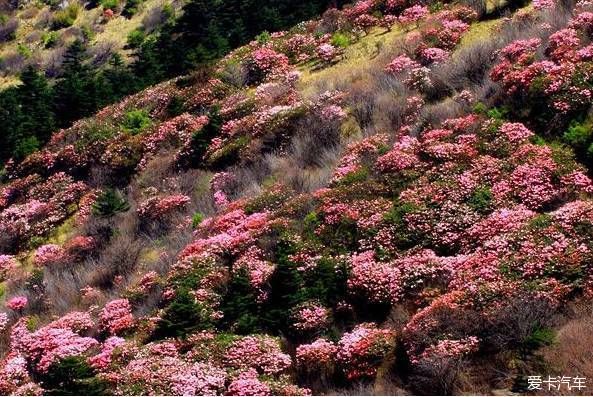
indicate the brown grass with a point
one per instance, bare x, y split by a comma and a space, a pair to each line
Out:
572, 352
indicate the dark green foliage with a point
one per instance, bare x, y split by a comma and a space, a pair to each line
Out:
239, 305
580, 137
286, 290
66, 17
182, 317
327, 282
72, 376
131, 8
208, 29
538, 338
26, 116
176, 106
136, 38
76, 89
201, 139
481, 200
109, 4
109, 203
396, 216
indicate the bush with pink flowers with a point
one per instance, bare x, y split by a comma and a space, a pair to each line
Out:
116, 317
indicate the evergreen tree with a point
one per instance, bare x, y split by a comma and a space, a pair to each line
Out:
286, 290
36, 98
10, 122
75, 90
240, 307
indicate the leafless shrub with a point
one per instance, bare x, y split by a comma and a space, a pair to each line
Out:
479, 6
469, 67
119, 258
379, 388
62, 286
72, 33
101, 53
33, 37
516, 321
8, 29
29, 13
7, 242
234, 74
44, 19
13, 63
437, 376
331, 21
434, 114
153, 19
53, 61
571, 353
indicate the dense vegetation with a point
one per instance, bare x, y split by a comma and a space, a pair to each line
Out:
391, 198
206, 30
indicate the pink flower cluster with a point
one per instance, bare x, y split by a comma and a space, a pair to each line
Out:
310, 317
360, 351
155, 208
116, 317
48, 345
261, 353
319, 353
50, 255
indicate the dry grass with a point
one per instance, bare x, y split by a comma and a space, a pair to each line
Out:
355, 60
572, 352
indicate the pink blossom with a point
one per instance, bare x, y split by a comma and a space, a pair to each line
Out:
116, 316
247, 384
17, 303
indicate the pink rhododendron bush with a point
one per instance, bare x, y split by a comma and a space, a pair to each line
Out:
415, 224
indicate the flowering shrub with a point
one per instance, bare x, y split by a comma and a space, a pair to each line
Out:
48, 345
17, 303
377, 282
257, 352
448, 349
201, 379
116, 317
50, 255
265, 63
310, 317
361, 351
319, 353
156, 208
247, 384
413, 14
327, 52
102, 360
7, 263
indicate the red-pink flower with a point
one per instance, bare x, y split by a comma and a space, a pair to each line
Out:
17, 303
116, 316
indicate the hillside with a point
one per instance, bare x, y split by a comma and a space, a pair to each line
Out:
391, 198
38, 33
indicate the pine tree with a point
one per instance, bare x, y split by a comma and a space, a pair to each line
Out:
75, 90
36, 98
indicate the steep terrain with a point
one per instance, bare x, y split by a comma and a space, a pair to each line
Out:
39, 33
392, 198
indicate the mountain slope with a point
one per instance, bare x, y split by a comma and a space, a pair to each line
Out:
384, 196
